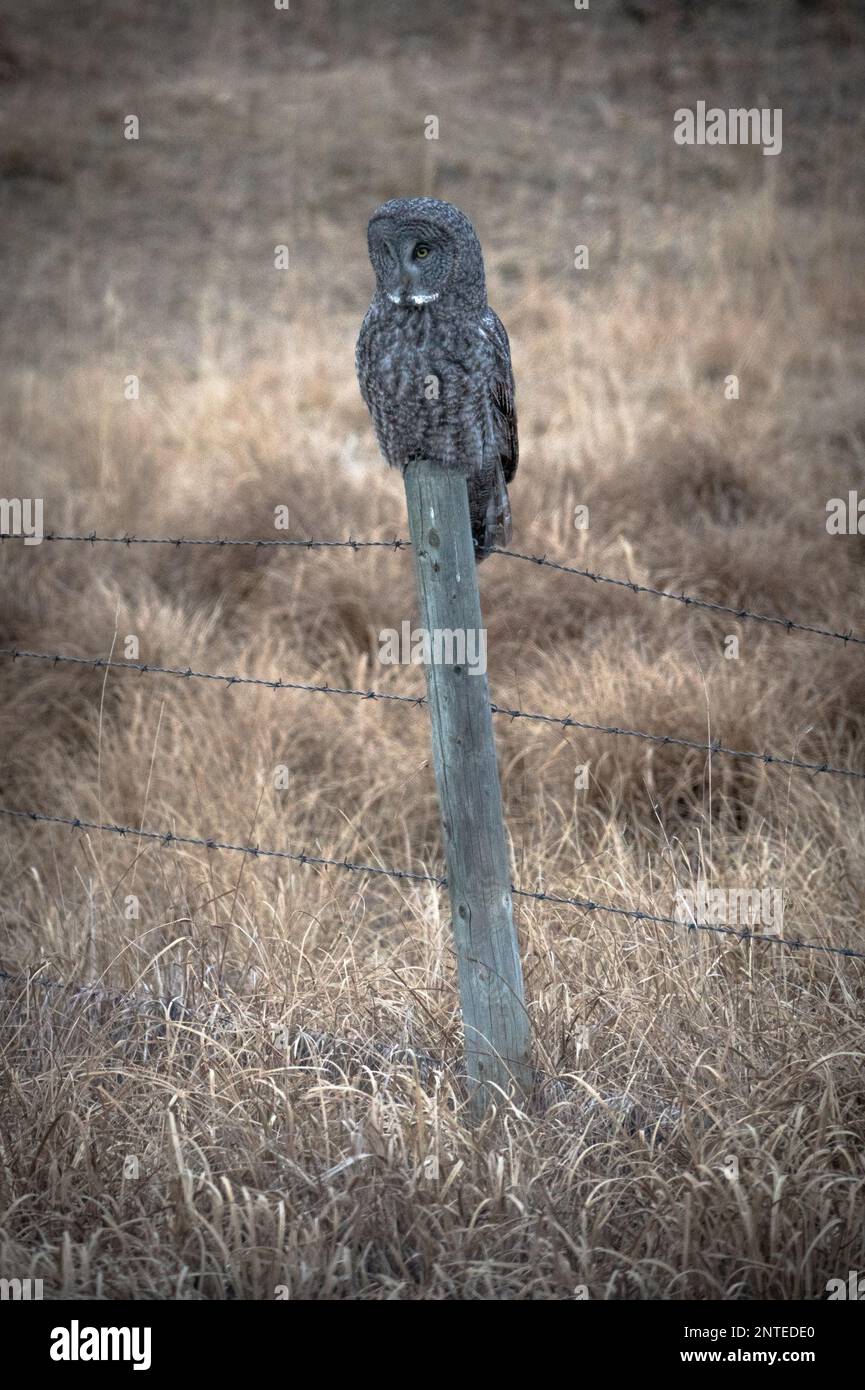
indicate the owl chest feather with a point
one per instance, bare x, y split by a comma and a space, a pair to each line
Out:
426, 379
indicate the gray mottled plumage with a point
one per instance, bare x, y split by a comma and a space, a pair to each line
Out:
433, 360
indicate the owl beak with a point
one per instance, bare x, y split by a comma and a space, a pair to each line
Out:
402, 293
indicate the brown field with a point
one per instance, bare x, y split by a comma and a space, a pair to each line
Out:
296, 1118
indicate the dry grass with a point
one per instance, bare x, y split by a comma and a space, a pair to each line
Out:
296, 1115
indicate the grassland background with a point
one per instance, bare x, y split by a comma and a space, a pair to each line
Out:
299, 1122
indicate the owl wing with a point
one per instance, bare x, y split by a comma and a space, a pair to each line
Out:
502, 394
361, 357
365, 355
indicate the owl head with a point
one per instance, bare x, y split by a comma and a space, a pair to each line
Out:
425, 252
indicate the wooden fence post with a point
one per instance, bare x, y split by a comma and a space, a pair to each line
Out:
495, 1022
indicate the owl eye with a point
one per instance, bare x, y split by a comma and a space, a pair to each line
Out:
421, 251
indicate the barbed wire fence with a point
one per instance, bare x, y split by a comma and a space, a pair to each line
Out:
92, 538
587, 905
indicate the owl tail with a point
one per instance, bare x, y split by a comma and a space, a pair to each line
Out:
491, 514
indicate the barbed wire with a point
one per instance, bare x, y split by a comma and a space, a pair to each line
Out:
565, 721
689, 600
638, 915
277, 542
186, 672
673, 740
396, 543
168, 838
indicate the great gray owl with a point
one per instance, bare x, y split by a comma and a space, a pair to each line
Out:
433, 360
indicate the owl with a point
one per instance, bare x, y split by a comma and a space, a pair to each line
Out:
433, 360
